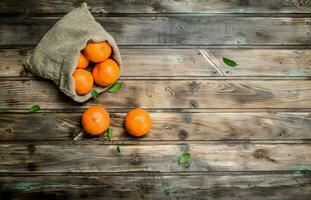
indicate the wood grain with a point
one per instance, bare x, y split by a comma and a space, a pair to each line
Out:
79, 157
173, 30
166, 94
187, 62
242, 187
153, 6
166, 126
245, 155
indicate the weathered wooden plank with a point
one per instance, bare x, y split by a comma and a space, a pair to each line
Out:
256, 187
153, 6
166, 126
174, 30
166, 94
188, 62
22, 157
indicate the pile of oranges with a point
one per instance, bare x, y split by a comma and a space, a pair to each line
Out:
96, 119
105, 72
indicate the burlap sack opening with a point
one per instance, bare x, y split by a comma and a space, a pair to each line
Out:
55, 57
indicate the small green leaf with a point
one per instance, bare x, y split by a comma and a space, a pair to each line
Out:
34, 108
184, 158
300, 169
109, 133
171, 190
229, 62
118, 149
115, 87
95, 94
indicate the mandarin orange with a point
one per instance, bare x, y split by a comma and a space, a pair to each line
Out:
138, 122
84, 81
97, 51
106, 73
83, 62
95, 120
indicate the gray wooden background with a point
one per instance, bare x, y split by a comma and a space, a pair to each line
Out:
247, 128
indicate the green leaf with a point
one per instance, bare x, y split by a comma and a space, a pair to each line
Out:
118, 149
34, 108
95, 94
115, 87
230, 63
184, 158
109, 133
171, 190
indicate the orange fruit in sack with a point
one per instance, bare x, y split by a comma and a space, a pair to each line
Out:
97, 51
83, 62
138, 122
84, 81
95, 120
106, 73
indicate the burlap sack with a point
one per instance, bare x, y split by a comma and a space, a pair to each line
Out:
55, 57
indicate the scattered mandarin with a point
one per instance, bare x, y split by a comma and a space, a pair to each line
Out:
95, 120
138, 122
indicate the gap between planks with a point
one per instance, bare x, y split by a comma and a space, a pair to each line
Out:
177, 78
159, 7
152, 173
136, 142
147, 15
170, 110
220, 46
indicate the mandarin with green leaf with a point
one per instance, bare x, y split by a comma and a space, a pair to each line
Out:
95, 120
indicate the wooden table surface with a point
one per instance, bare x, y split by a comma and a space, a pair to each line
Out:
247, 128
